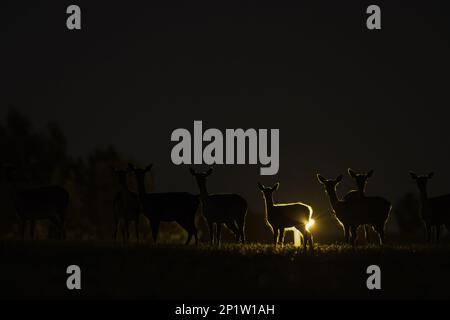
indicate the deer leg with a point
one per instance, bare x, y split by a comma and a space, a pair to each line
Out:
218, 233
32, 226
307, 236
59, 225
188, 240
353, 230
281, 237
305, 241
195, 236
428, 226
241, 226
232, 226
211, 232
192, 231
367, 233
136, 225
304, 234
116, 226
346, 233
275, 236
189, 229
242, 233
122, 228
155, 230
438, 232
380, 232
311, 240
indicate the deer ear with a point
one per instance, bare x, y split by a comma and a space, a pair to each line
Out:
131, 167
351, 173
210, 170
430, 175
276, 186
149, 167
339, 178
413, 175
192, 171
321, 179
370, 173
260, 186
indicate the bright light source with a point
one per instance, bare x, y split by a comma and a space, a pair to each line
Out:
309, 225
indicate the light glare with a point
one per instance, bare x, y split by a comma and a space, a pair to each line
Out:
309, 225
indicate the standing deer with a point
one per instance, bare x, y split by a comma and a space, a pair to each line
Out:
127, 207
218, 209
353, 213
41, 203
287, 215
361, 181
434, 211
180, 207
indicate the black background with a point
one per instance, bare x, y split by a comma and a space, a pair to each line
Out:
341, 95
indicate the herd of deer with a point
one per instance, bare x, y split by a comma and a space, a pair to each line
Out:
354, 210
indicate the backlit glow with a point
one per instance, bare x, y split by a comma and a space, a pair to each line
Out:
297, 236
310, 224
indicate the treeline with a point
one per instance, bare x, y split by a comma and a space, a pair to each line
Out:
41, 158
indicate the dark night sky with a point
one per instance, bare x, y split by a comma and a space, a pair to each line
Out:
341, 95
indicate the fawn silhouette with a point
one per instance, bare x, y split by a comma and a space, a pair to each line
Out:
39, 203
218, 209
354, 213
435, 210
361, 182
286, 215
127, 207
180, 207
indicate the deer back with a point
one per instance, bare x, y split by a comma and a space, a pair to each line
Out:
223, 207
364, 210
171, 206
289, 215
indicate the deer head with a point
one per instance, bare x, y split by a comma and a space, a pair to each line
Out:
268, 191
330, 184
140, 175
421, 180
360, 178
200, 177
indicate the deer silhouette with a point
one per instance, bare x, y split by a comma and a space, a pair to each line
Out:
286, 215
127, 207
361, 181
353, 213
180, 207
435, 210
39, 203
218, 209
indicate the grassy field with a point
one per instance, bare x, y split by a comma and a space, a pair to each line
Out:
38, 270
